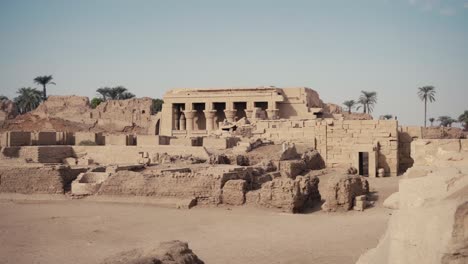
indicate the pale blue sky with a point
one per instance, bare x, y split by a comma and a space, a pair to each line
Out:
335, 47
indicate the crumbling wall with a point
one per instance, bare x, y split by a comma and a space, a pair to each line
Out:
286, 194
74, 113
132, 154
339, 141
408, 134
7, 110
202, 186
36, 154
34, 179
341, 190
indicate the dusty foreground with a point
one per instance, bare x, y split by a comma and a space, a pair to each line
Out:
80, 231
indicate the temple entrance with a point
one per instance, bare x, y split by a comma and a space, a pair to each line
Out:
199, 120
220, 115
240, 110
364, 163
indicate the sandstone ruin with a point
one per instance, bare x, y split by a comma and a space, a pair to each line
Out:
264, 147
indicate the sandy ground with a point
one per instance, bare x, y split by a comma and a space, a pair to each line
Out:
81, 231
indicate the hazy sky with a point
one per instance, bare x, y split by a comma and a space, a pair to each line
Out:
337, 48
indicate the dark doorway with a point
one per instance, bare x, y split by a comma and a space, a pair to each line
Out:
262, 105
157, 128
240, 110
364, 163
220, 115
200, 119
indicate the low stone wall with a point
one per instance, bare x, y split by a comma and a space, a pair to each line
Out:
37, 154
177, 185
132, 154
30, 179
220, 143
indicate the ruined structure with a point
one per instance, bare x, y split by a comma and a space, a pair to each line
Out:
430, 220
74, 114
276, 148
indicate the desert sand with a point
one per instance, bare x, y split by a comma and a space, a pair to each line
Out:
61, 230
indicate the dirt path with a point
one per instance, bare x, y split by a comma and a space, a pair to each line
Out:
79, 231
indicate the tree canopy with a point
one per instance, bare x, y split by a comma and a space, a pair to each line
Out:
44, 81
446, 121
28, 99
114, 93
349, 104
367, 101
463, 118
157, 105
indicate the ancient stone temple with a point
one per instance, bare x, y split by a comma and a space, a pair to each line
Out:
199, 111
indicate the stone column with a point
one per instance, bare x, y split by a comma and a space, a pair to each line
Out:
249, 110
272, 113
189, 115
230, 114
209, 115
181, 122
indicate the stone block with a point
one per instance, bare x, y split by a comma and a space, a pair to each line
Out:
234, 192
291, 168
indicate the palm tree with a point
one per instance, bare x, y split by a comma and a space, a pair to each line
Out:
426, 93
367, 100
350, 104
28, 99
2, 98
114, 93
44, 81
432, 121
463, 118
388, 117
446, 121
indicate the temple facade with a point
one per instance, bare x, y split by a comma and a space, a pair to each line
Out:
199, 111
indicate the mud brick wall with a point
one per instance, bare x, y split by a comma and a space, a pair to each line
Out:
27, 180
16, 138
45, 138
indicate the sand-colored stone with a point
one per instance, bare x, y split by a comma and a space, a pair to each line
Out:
170, 252
341, 191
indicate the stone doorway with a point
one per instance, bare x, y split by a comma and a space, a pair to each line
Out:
364, 163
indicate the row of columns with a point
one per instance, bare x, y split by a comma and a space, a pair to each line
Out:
186, 121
